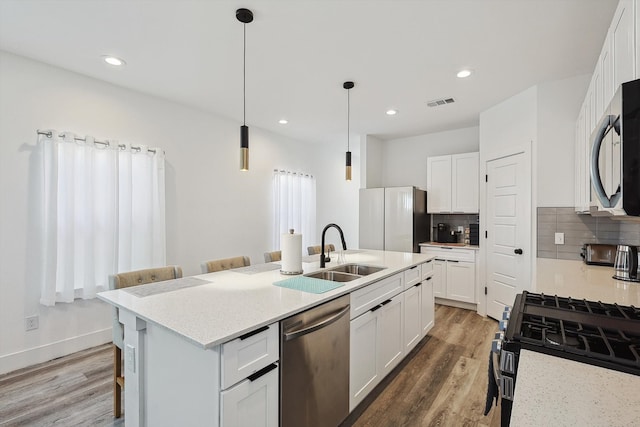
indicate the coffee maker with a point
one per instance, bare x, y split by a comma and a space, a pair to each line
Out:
626, 264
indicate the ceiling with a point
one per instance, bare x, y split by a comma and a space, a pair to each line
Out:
399, 53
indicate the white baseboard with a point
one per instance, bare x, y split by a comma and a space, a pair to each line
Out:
50, 351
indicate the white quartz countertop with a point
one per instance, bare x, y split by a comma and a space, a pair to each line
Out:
234, 303
552, 391
579, 280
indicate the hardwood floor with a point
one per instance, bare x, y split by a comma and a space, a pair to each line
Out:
441, 383
74, 390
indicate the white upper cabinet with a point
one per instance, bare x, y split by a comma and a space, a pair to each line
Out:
439, 184
464, 182
623, 43
452, 183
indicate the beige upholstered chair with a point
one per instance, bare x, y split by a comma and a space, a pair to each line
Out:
315, 250
126, 280
272, 256
225, 264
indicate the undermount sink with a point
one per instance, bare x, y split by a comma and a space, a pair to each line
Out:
345, 273
334, 276
359, 269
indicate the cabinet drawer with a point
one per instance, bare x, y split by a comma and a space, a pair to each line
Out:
249, 353
412, 276
448, 253
252, 402
365, 298
427, 269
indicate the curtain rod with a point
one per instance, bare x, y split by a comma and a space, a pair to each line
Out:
49, 134
295, 173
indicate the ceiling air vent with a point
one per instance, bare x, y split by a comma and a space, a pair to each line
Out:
439, 102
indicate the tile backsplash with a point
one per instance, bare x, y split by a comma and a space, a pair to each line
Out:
578, 230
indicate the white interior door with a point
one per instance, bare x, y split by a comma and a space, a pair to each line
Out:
508, 231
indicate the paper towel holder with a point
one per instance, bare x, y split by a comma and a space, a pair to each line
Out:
290, 273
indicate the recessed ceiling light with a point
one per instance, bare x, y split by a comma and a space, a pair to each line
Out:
392, 112
283, 121
464, 73
112, 60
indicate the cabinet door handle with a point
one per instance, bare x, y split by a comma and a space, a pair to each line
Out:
517, 251
415, 266
262, 372
438, 259
377, 307
386, 302
429, 278
252, 333
417, 284
452, 260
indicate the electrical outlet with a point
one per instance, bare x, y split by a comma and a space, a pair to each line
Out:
559, 238
31, 322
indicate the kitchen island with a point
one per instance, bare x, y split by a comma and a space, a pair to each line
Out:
176, 368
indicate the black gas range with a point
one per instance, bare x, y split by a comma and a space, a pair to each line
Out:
601, 334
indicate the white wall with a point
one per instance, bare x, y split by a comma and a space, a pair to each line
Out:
510, 123
405, 160
558, 106
213, 209
372, 162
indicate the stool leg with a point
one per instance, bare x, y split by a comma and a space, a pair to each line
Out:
117, 372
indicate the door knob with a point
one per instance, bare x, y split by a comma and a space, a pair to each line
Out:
517, 251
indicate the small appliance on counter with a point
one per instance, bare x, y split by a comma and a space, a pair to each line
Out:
598, 254
444, 234
474, 234
626, 265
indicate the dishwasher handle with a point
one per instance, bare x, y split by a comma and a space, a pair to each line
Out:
325, 321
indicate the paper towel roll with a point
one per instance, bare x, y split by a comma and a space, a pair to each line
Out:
291, 247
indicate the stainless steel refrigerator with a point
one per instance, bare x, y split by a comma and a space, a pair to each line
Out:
393, 219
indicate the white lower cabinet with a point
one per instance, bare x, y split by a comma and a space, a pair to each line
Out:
383, 335
363, 357
427, 306
376, 347
250, 379
461, 282
454, 273
391, 347
412, 320
253, 402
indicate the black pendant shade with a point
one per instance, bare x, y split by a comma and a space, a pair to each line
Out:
245, 16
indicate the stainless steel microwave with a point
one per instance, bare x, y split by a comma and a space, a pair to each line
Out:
615, 156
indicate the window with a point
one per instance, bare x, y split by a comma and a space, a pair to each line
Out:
102, 212
294, 197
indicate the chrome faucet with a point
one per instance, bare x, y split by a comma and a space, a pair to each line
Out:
324, 259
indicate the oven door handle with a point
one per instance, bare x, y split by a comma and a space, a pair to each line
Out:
496, 370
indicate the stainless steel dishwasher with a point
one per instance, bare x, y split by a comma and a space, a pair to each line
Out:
314, 366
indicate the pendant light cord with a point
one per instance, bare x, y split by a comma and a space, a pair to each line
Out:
244, 75
348, 118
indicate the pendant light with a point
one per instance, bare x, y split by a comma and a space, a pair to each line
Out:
348, 86
245, 16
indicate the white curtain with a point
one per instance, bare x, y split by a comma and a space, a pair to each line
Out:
103, 212
294, 196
